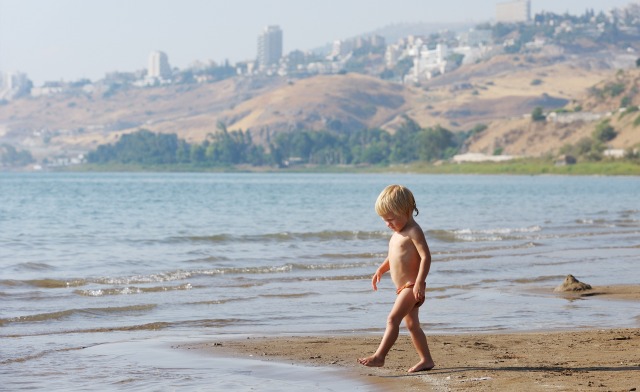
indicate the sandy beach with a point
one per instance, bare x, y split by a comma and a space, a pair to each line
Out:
578, 360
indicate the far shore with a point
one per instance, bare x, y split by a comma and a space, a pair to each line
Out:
585, 359
514, 167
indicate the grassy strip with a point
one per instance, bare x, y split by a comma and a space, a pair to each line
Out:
516, 167
525, 167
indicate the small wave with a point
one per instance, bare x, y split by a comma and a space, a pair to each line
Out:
44, 283
288, 279
459, 258
470, 235
207, 238
182, 275
595, 234
37, 355
331, 278
340, 235
155, 326
464, 287
326, 235
141, 279
141, 327
584, 221
258, 270
71, 312
525, 245
31, 266
208, 259
346, 256
212, 323
131, 290
332, 266
538, 279
294, 295
455, 272
217, 301
627, 223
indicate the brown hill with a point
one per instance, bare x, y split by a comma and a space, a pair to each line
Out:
500, 92
503, 87
78, 122
335, 102
597, 103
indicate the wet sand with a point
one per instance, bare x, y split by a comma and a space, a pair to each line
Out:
581, 360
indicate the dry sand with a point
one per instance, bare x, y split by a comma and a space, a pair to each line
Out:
582, 360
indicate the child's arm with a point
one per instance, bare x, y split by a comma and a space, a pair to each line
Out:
420, 243
384, 267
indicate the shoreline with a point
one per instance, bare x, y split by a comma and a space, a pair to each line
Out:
580, 360
524, 166
583, 359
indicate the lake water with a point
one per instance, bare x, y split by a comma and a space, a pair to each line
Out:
102, 273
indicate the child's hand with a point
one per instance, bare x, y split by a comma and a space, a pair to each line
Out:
375, 280
419, 291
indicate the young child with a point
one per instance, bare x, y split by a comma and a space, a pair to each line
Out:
408, 261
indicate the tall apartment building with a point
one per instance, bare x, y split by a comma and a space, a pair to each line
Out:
269, 46
14, 85
513, 11
159, 66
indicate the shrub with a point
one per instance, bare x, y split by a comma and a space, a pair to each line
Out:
625, 101
538, 114
604, 132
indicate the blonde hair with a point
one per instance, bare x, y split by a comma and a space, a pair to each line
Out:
396, 199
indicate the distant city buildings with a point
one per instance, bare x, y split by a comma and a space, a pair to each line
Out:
14, 85
429, 63
269, 47
475, 37
513, 11
159, 66
413, 59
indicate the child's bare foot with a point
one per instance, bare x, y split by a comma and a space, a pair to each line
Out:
422, 366
371, 361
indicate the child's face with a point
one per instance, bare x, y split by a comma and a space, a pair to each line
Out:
395, 222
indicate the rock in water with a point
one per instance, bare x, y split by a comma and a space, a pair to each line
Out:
572, 284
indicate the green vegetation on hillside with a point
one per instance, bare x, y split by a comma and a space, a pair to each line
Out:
410, 149
410, 143
10, 157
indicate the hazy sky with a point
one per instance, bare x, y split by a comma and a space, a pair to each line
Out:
73, 39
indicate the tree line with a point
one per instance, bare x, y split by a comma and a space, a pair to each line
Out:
409, 143
11, 157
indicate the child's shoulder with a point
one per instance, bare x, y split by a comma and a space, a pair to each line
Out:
414, 228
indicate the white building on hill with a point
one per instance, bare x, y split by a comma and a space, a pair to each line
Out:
159, 66
269, 47
14, 85
429, 63
513, 11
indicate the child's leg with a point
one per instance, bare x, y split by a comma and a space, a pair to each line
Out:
419, 340
405, 301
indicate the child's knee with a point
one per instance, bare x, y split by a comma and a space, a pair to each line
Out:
412, 324
394, 320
